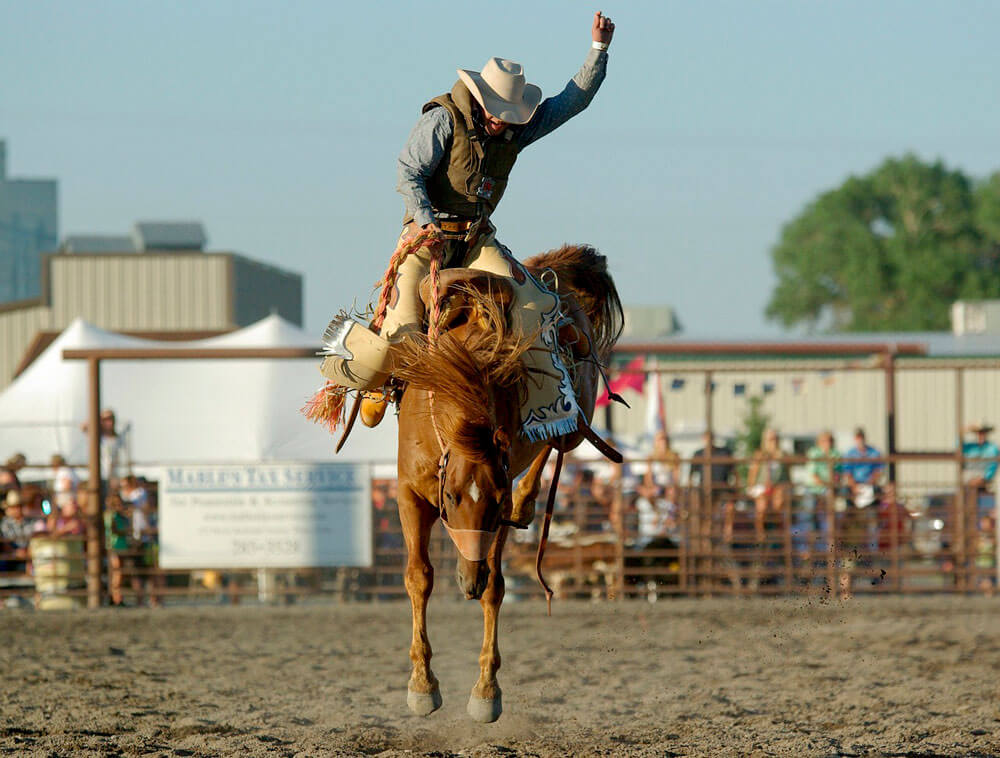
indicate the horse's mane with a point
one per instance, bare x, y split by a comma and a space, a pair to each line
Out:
583, 272
475, 368
468, 369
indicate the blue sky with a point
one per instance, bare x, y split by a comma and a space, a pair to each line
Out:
278, 124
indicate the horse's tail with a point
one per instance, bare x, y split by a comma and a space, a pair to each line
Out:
583, 272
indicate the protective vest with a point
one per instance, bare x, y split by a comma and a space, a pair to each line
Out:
472, 175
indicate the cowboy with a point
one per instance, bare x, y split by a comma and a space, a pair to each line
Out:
980, 466
453, 172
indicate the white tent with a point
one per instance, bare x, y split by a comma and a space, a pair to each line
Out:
204, 411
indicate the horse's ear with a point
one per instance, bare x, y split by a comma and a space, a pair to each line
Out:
501, 440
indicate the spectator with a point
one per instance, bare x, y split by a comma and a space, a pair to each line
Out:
811, 517
654, 517
15, 533
66, 521
724, 482
388, 538
8, 481
986, 554
664, 467
145, 537
768, 483
113, 457
978, 473
16, 462
723, 472
135, 496
863, 477
117, 530
893, 521
603, 508
858, 524
64, 481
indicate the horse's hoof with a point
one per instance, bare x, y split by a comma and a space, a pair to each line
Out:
423, 703
485, 711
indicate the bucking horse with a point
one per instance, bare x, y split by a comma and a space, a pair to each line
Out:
459, 443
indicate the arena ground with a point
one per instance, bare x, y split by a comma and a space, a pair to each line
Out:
796, 676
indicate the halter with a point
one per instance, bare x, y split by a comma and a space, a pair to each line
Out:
472, 544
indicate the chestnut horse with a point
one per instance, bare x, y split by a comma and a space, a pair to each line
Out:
459, 441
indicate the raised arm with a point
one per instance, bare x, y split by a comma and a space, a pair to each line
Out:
556, 111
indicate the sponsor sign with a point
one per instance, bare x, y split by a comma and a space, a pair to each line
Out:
268, 515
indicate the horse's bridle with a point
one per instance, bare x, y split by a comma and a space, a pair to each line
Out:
473, 544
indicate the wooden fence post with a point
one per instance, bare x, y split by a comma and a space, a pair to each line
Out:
95, 520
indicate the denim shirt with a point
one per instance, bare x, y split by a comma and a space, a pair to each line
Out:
431, 136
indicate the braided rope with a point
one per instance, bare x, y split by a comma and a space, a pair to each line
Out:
326, 407
435, 315
406, 247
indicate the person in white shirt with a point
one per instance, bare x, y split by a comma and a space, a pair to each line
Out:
64, 481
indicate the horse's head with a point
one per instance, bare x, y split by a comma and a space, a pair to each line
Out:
475, 498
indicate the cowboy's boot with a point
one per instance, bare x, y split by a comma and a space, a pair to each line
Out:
356, 357
373, 405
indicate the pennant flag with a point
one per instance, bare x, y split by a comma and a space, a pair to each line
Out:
768, 388
631, 377
739, 389
656, 407
797, 383
677, 384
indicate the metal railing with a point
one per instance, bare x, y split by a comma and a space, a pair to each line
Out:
615, 536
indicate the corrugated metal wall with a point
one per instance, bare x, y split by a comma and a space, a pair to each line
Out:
259, 290
803, 401
174, 291
17, 329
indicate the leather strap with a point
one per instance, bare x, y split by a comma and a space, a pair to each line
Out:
544, 539
351, 418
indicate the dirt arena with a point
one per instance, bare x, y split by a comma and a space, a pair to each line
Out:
875, 676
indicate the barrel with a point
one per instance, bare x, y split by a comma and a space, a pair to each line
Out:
58, 566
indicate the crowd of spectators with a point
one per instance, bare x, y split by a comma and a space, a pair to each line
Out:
757, 498
57, 506
760, 500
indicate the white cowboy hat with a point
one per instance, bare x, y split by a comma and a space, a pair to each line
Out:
502, 91
983, 427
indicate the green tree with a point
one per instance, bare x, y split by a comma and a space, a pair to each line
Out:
987, 198
749, 438
890, 250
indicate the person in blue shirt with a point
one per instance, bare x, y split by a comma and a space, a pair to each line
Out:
979, 473
980, 466
863, 477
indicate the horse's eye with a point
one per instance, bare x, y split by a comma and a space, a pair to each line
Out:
450, 498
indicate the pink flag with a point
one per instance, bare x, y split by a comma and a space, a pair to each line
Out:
631, 377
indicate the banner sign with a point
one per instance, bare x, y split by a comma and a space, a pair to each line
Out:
268, 515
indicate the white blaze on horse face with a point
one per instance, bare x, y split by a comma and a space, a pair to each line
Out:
474, 492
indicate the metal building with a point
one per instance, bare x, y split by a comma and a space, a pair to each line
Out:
912, 393
175, 293
29, 225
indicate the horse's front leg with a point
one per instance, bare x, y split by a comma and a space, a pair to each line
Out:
523, 510
417, 517
484, 702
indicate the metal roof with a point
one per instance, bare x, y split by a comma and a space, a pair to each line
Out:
931, 344
97, 243
169, 235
